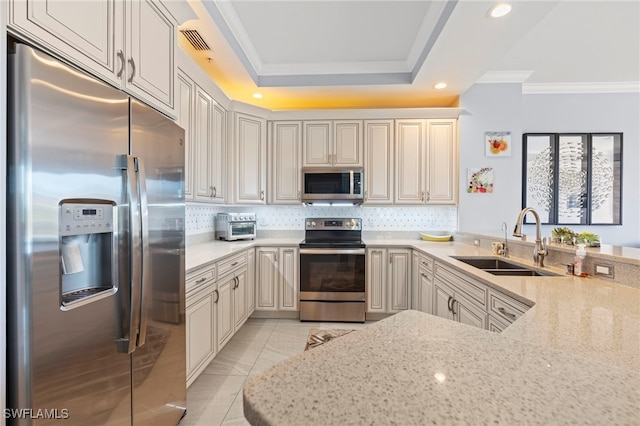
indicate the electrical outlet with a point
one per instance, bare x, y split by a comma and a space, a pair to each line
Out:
602, 270
476, 242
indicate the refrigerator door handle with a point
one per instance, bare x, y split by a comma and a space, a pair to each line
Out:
145, 284
134, 256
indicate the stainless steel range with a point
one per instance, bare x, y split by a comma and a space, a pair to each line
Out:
332, 270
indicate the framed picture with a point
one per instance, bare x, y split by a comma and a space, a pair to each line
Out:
497, 144
480, 180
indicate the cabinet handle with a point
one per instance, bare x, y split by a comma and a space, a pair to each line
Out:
217, 296
428, 196
423, 275
121, 57
365, 195
237, 282
449, 303
390, 258
261, 195
275, 257
504, 312
234, 264
453, 301
133, 70
422, 199
211, 192
298, 195
201, 280
215, 192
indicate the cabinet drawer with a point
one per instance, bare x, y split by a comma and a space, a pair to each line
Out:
471, 289
425, 262
200, 278
505, 307
228, 265
496, 325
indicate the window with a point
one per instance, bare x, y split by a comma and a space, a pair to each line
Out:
573, 178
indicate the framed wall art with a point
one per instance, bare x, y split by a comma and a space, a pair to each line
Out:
497, 144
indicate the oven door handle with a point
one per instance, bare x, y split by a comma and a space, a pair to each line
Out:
332, 251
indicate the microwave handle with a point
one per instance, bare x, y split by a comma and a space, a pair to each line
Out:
351, 182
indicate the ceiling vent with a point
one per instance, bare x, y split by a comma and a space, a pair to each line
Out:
195, 39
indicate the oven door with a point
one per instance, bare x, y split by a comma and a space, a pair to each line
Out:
332, 274
242, 230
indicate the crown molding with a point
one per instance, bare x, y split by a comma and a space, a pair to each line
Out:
606, 87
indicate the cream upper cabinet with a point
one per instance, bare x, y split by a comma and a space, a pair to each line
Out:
442, 161
426, 163
286, 157
149, 67
185, 93
378, 161
409, 162
251, 159
333, 143
209, 149
127, 43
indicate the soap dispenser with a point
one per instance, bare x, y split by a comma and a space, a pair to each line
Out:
578, 261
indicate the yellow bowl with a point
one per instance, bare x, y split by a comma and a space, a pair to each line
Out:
435, 236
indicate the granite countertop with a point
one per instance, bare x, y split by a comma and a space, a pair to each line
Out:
573, 357
415, 368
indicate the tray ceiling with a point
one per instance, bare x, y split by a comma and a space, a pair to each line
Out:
390, 53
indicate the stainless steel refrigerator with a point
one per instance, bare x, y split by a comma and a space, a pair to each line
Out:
96, 331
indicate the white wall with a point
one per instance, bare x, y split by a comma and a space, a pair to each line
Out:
489, 107
591, 113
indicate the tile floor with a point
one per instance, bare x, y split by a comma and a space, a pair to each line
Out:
215, 398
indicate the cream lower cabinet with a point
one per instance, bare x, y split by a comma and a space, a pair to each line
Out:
422, 282
388, 284
277, 278
251, 282
127, 43
232, 305
459, 297
201, 319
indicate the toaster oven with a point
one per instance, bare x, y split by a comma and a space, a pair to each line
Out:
236, 226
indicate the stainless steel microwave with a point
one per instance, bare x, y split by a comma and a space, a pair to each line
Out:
332, 184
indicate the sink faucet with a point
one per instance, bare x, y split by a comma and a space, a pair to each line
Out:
504, 251
540, 250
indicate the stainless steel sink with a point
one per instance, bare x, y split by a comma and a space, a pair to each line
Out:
497, 266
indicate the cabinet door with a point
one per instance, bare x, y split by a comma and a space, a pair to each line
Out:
409, 163
218, 157
442, 160
186, 118
86, 32
286, 149
347, 149
240, 299
376, 280
251, 282
201, 343
203, 143
425, 290
266, 278
289, 276
466, 313
442, 297
150, 49
378, 167
318, 143
251, 144
399, 282
225, 312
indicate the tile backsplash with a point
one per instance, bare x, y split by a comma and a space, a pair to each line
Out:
200, 218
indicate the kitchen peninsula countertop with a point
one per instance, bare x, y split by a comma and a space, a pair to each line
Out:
588, 329
414, 369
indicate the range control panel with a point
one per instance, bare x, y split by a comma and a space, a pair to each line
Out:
352, 224
86, 218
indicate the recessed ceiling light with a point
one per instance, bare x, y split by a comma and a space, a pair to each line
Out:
499, 10
257, 95
440, 85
